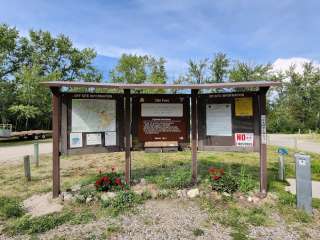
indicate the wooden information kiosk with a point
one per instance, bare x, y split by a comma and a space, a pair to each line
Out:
101, 122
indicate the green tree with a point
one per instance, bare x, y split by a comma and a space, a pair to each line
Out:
242, 72
197, 71
139, 69
219, 67
26, 61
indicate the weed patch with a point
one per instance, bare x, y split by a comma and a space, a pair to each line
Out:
125, 200
10, 207
28, 225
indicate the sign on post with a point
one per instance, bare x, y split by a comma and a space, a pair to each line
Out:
244, 139
282, 152
303, 182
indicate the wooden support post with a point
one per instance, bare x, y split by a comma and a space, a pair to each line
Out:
27, 169
55, 141
263, 141
36, 153
127, 132
194, 129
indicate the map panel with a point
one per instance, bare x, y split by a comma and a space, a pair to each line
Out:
93, 115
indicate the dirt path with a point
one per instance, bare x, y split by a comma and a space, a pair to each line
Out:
290, 140
14, 154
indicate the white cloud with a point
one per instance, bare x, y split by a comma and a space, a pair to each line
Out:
284, 64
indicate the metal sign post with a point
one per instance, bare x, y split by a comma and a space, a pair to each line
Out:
282, 152
303, 182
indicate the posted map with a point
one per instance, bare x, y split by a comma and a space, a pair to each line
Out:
93, 115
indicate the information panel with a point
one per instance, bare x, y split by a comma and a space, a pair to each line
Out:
162, 119
161, 109
243, 107
93, 115
219, 120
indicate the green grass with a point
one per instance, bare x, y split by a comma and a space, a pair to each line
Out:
124, 201
168, 171
28, 225
229, 214
10, 208
198, 232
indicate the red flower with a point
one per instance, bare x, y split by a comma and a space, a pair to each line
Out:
216, 177
118, 181
98, 183
105, 179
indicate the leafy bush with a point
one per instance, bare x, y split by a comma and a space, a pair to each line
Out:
109, 181
10, 207
123, 201
223, 182
28, 225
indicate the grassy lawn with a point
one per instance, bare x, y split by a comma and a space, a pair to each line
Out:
167, 171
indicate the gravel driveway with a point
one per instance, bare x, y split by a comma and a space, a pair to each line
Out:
290, 140
14, 154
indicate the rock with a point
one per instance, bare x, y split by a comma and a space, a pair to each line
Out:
182, 193
249, 199
163, 193
192, 193
89, 199
76, 188
255, 199
107, 196
67, 196
143, 182
226, 194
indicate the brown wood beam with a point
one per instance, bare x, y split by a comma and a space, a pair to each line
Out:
56, 111
263, 141
194, 133
127, 132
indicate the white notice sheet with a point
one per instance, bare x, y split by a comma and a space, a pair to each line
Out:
219, 120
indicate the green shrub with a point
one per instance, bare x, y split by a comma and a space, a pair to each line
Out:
123, 201
226, 183
28, 225
10, 207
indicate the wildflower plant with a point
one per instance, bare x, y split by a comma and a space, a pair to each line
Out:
110, 181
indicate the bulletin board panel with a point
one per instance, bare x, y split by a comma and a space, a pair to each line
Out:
160, 118
228, 121
91, 123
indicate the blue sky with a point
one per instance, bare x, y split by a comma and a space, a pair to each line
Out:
255, 31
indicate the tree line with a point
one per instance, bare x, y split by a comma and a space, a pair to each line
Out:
25, 61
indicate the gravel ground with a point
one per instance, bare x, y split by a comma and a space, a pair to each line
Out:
170, 219
279, 231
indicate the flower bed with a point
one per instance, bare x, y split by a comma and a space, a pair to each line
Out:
222, 182
110, 181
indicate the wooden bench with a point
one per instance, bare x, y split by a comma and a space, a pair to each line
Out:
161, 146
